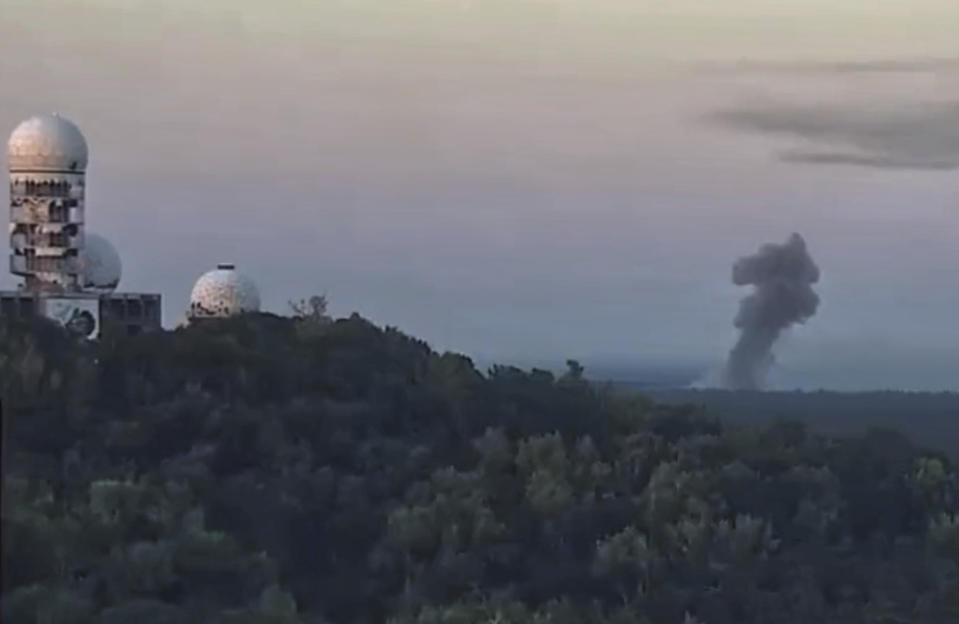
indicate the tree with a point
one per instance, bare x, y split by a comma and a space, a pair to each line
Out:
313, 309
255, 470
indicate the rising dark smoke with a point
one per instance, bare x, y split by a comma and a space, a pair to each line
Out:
782, 276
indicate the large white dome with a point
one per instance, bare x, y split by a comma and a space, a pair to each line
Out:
101, 264
223, 292
47, 143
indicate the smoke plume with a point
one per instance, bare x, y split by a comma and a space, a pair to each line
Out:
782, 276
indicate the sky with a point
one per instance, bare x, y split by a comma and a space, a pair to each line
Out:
526, 180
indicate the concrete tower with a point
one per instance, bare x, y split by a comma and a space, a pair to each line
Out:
47, 156
66, 277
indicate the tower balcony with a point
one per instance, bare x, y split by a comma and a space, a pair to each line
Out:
45, 185
41, 235
18, 265
29, 265
34, 210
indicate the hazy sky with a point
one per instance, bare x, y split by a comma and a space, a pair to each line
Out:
526, 180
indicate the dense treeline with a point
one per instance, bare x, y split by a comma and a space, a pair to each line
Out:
266, 469
928, 418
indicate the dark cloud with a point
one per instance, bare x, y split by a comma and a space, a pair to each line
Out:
919, 136
914, 65
891, 65
862, 160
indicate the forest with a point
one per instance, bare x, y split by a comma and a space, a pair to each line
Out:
930, 419
301, 469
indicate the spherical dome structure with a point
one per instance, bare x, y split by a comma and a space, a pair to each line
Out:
223, 292
47, 143
101, 264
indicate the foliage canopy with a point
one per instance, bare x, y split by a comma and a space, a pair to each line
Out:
283, 470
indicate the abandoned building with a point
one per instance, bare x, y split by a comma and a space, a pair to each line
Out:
67, 275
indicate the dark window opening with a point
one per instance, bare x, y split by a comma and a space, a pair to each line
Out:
58, 213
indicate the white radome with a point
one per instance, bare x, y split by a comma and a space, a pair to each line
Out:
47, 143
101, 264
223, 292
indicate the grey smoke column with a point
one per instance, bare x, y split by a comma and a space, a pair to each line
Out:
783, 276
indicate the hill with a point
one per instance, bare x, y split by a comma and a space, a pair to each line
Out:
268, 469
928, 419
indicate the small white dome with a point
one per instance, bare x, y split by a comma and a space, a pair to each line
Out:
223, 292
101, 264
47, 143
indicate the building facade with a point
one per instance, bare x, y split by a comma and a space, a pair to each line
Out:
47, 158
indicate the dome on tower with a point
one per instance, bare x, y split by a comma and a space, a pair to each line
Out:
101, 264
47, 143
223, 292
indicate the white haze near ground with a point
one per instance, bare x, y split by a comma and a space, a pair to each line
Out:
816, 362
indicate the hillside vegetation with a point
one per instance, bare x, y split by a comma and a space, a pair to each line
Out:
930, 419
285, 470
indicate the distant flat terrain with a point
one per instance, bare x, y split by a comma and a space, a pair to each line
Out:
929, 419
